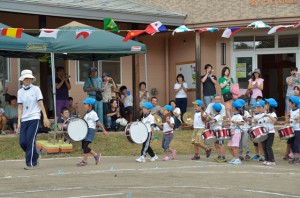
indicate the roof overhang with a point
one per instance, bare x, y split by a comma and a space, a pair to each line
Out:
135, 14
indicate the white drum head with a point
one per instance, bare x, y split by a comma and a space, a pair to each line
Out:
138, 132
77, 129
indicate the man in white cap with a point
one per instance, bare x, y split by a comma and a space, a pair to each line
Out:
30, 105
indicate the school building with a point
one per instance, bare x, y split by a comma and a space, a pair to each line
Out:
168, 55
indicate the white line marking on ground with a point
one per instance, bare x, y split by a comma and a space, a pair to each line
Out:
101, 195
35, 191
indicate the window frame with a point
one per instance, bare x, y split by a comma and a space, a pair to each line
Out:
8, 70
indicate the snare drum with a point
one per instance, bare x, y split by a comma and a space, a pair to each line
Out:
209, 136
136, 132
223, 134
76, 129
258, 134
286, 133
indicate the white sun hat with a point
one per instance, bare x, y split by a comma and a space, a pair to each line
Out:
26, 74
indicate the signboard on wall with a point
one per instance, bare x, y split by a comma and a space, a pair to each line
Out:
240, 69
188, 70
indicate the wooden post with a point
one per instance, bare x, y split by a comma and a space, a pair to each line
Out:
198, 64
135, 85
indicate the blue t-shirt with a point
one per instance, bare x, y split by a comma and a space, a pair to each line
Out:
93, 82
62, 93
9, 112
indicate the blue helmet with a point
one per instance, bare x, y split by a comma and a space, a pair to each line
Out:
90, 101
241, 101
217, 107
262, 103
295, 100
148, 105
168, 107
237, 104
198, 102
256, 104
272, 102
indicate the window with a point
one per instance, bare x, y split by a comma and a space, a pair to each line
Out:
243, 42
288, 40
112, 67
264, 42
33, 65
4, 64
243, 71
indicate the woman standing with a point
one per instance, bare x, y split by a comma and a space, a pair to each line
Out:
180, 89
224, 83
30, 105
256, 84
63, 86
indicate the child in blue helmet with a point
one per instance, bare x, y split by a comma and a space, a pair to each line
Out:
92, 120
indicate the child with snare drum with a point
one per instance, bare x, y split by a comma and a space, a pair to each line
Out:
199, 127
167, 127
217, 123
236, 122
92, 120
269, 120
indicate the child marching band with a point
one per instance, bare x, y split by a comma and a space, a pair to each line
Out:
269, 120
167, 127
295, 123
92, 120
216, 123
148, 120
244, 132
236, 122
199, 127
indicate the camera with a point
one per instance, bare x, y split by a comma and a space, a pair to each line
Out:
67, 76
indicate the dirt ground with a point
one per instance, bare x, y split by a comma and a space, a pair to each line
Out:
123, 177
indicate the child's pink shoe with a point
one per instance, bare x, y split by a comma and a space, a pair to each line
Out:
173, 154
166, 158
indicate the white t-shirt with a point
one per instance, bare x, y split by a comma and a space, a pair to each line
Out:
91, 118
198, 123
128, 100
219, 121
268, 123
177, 110
259, 118
209, 109
181, 93
29, 98
144, 99
148, 121
246, 125
166, 126
295, 123
236, 118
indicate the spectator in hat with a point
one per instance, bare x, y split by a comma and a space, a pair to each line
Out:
63, 86
92, 84
109, 87
256, 84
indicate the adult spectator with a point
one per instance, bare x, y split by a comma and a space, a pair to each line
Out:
180, 88
112, 115
292, 81
209, 81
224, 83
92, 85
209, 109
144, 96
63, 86
109, 87
156, 108
11, 113
256, 84
127, 100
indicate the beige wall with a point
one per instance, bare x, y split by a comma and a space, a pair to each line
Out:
202, 12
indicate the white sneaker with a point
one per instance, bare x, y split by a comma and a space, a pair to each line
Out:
265, 162
270, 164
231, 161
154, 158
141, 159
237, 162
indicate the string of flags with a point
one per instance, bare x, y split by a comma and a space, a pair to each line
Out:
153, 28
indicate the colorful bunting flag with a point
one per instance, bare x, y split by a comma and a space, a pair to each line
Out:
132, 33
84, 33
182, 28
50, 33
109, 23
297, 24
155, 27
207, 30
230, 31
12, 32
278, 28
258, 24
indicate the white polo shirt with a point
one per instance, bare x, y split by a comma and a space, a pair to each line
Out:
29, 97
148, 121
236, 118
167, 127
91, 118
246, 125
259, 117
198, 123
128, 101
210, 111
181, 93
295, 123
218, 122
268, 123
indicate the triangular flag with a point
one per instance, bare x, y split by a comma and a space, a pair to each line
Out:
207, 30
230, 31
155, 27
84, 33
278, 28
109, 23
258, 24
52, 33
297, 24
132, 33
12, 32
182, 28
